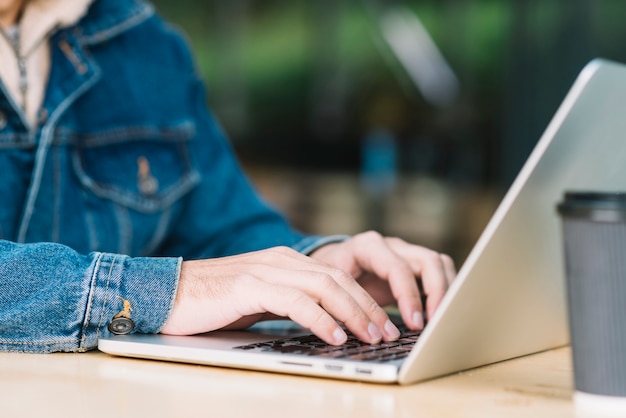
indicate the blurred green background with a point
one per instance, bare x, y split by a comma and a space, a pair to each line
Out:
335, 130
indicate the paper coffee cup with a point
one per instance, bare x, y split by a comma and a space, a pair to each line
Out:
594, 239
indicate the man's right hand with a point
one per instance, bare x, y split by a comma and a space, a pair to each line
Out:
237, 291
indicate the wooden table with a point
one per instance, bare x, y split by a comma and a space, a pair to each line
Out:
98, 385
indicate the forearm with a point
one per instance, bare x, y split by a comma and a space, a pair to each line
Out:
54, 299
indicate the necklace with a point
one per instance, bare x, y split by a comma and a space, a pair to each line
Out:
12, 36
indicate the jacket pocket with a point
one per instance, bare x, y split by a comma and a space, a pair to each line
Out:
144, 168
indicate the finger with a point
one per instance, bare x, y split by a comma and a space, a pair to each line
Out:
375, 255
289, 302
339, 295
449, 268
435, 297
332, 288
435, 280
380, 323
434, 270
365, 308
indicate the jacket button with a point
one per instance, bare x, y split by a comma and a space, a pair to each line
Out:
42, 116
3, 120
121, 326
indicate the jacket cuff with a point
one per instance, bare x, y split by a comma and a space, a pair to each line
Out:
141, 289
308, 245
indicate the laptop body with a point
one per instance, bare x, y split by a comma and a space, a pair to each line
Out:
508, 299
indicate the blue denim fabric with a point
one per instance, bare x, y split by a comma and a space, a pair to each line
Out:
126, 174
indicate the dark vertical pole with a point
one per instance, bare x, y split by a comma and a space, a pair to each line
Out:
329, 84
542, 67
230, 95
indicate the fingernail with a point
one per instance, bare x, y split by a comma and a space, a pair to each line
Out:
374, 332
339, 336
391, 330
418, 319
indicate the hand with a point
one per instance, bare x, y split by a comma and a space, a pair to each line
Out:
346, 282
237, 291
391, 270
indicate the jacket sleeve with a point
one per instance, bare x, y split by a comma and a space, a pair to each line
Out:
54, 299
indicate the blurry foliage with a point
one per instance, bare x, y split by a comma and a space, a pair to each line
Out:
276, 37
263, 61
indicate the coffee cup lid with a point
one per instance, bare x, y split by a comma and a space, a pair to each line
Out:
596, 206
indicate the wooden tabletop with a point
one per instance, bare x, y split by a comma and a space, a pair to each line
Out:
98, 385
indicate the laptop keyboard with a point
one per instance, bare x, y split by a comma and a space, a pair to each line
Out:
353, 349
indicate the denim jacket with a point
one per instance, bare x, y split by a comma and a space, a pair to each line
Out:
126, 174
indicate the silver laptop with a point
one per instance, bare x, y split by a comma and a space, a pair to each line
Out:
508, 299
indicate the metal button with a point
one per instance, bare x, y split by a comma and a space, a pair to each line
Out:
147, 184
121, 323
42, 116
121, 326
3, 120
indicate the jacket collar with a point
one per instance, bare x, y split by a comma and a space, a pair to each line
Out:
41, 17
106, 19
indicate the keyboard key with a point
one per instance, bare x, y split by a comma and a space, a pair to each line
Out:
310, 345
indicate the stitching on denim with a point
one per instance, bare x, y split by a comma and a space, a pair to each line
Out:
92, 292
183, 132
164, 199
42, 151
17, 140
94, 238
17, 145
33, 343
124, 229
159, 233
143, 14
105, 300
56, 195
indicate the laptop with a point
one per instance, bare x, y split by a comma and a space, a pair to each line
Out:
509, 296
